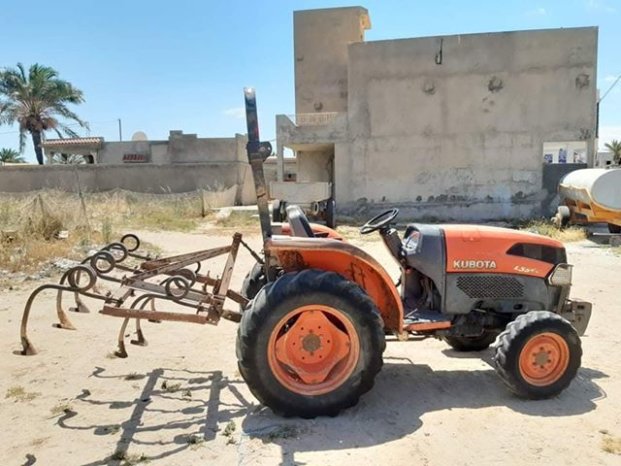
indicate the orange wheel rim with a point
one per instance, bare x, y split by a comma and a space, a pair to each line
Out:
313, 350
544, 359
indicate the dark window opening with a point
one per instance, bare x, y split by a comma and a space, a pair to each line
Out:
548, 254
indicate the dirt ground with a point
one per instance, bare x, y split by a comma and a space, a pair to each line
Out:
181, 400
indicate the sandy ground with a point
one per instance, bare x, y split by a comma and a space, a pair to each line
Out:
430, 405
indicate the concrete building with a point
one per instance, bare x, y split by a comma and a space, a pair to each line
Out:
451, 127
178, 148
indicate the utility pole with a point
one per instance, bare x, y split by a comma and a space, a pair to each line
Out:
120, 131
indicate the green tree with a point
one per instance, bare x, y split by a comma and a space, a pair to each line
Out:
614, 146
37, 101
10, 156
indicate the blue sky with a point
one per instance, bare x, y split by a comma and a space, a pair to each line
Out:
182, 65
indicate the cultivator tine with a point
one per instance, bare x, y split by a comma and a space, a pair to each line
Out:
182, 286
63, 319
140, 339
120, 351
80, 306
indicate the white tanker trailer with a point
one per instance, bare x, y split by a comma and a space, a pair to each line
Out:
591, 195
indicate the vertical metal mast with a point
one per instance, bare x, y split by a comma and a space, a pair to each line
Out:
257, 153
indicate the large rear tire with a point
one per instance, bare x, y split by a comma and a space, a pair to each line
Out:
310, 344
253, 282
331, 213
538, 355
471, 343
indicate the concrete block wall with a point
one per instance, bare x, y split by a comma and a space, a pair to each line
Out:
453, 127
321, 38
143, 178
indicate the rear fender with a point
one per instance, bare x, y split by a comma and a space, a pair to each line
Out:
347, 260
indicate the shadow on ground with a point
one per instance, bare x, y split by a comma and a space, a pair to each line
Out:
403, 393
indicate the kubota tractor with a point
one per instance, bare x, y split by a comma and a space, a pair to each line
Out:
311, 338
310, 342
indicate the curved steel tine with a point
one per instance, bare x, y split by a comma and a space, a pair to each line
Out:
63, 320
120, 351
80, 306
140, 339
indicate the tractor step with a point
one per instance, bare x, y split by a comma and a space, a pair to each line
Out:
424, 321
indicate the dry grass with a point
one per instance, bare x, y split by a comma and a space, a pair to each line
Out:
29, 224
61, 408
18, 393
566, 235
129, 459
240, 220
611, 445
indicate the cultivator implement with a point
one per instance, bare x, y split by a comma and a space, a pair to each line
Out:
143, 287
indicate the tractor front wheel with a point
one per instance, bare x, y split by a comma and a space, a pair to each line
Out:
471, 343
310, 344
538, 355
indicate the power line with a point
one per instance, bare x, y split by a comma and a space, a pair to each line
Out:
610, 88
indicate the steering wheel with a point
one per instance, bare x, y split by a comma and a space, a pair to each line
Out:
379, 222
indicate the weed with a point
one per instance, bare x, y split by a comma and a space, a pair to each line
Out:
566, 235
18, 393
128, 459
612, 445
170, 387
61, 408
238, 219
194, 440
229, 430
106, 230
34, 220
110, 430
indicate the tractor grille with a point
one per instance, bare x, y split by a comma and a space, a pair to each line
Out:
494, 286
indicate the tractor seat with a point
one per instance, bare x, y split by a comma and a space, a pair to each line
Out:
299, 223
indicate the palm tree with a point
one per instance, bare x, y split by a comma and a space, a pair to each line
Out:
68, 159
35, 100
10, 156
614, 146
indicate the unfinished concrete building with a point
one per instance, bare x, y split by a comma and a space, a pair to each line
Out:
451, 127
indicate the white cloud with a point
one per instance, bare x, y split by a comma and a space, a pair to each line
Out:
607, 134
235, 112
600, 5
539, 11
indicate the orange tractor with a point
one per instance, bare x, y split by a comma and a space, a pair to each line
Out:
311, 339
315, 310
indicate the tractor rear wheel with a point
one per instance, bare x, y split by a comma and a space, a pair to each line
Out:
471, 343
310, 344
538, 355
253, 282
331, 213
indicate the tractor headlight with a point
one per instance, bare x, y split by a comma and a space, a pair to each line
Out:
561, 275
